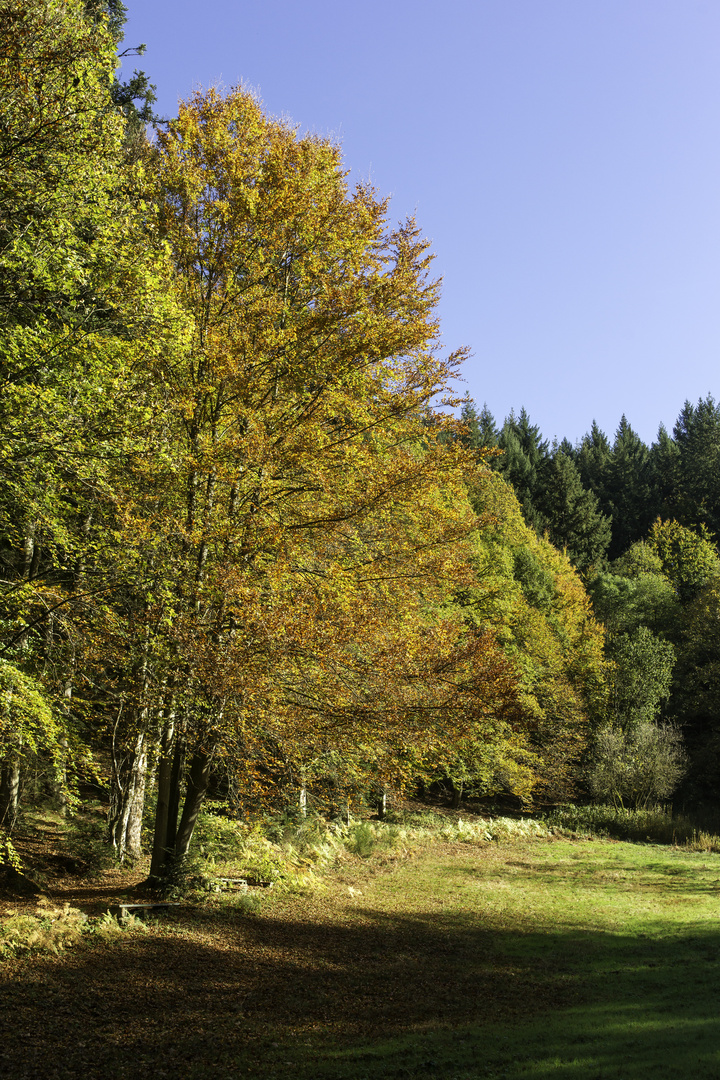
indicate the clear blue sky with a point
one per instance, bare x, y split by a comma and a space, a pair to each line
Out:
562, 155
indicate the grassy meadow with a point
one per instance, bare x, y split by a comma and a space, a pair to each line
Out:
590, 959
526, 958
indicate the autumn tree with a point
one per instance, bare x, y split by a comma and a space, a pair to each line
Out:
687, 556
305, 511
533, 598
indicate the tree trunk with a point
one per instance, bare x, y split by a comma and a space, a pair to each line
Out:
61, 782
382, 804
128, 799
198, 783
133, 830
9, 795
457, 793
28, 552
164, 793
61, 777
176, 775
129, 775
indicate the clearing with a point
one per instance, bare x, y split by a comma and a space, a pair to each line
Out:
527, 959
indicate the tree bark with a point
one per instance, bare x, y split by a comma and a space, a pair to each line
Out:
128, 799
61, 778
9, 795
164, 792
133, 830
198, 783
176, 775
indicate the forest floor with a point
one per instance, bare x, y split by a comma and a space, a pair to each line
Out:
531, 959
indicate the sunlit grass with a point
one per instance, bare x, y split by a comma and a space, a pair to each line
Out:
604, 958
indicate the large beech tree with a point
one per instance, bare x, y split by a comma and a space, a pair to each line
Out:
306, 514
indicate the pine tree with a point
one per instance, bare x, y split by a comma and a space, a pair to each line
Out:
524, 464
697, 435
627, 489
574, 521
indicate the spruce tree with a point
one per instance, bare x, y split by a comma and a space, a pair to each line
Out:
664, 475
697, 435
574, 521
524, 464
487, 429
482, 430
628, 489
593, 462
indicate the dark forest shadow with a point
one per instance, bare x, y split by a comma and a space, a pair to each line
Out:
381, 996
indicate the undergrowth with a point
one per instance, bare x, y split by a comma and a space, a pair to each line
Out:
653, 825
53, 929
293, 855
86, 842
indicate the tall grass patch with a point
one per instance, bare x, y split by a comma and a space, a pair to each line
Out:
652, 825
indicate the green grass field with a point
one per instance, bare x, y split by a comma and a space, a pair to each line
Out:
527, 959
560, 959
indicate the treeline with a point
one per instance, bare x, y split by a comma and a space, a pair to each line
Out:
241, 550
642, 525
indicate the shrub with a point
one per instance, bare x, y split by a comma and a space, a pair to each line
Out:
86, 841
637, 767
655, 824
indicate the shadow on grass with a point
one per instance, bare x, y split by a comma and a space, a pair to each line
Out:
371, 996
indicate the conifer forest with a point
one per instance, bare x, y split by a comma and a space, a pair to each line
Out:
254, 550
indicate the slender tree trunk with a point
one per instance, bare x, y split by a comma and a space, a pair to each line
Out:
61, 781
9, 795
133, 829
382, 804
457, 793
28, 552
176, 774
198, 783
162, 812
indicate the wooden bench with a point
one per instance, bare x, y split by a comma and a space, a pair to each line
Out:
232, 882
122, 911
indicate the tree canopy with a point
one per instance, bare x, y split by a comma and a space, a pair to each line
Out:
246, 545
